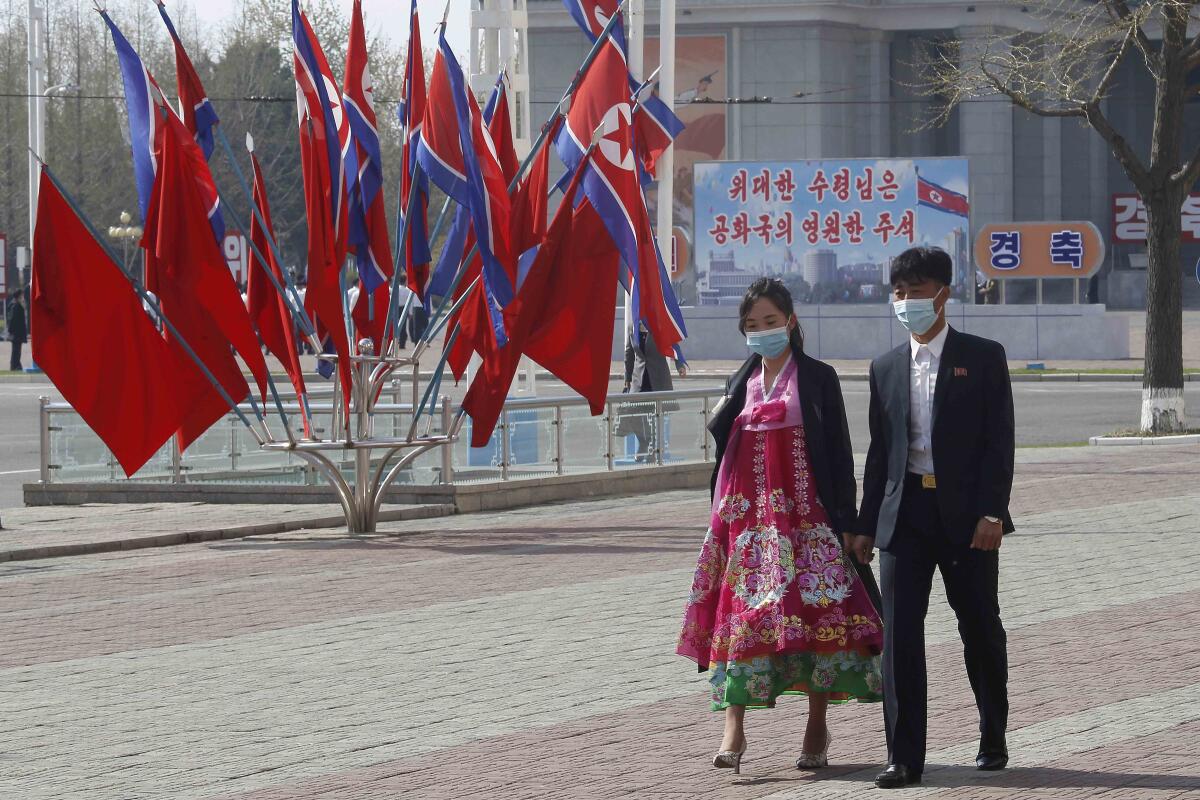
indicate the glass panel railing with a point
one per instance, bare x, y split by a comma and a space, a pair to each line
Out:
684, 434
585, 440
532, 442
645, 429
76, 454
633, 432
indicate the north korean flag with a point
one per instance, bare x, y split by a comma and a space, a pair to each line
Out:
318, 105
368, 222
457, 152
934, 196
593, 15
611, 180
146, 108
194, 106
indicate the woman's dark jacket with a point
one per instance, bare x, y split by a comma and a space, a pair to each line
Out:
826, 433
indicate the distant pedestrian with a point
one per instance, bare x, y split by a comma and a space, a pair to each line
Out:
418, 320
18, 330
646, 370
402, 295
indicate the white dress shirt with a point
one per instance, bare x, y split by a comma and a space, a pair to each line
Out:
923, 371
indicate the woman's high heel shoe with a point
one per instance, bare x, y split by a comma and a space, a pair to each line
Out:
730, 759
816, 760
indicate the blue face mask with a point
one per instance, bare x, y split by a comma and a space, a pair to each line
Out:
768, 344
917, 316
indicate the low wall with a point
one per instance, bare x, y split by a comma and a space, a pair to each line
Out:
463, 498
1028, 332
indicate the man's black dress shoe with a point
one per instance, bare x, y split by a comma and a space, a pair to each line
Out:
896, 776
991, 762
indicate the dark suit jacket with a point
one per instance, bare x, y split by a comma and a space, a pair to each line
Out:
826, 432
642, 360
18, 323
974, 438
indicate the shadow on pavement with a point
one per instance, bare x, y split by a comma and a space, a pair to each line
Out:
958, 776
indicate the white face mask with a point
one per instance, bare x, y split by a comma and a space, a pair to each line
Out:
918, 315
768, 343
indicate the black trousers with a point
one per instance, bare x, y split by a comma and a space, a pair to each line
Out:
920, 545
14, 360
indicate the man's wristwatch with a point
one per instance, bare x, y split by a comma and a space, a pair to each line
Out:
993, 520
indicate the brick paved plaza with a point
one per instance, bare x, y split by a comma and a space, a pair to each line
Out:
530, 654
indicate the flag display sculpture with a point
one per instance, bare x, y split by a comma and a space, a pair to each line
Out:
511, 283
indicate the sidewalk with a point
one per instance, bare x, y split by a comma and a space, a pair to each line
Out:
530, 655
54, 531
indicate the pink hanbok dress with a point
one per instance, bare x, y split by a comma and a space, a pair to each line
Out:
775, 607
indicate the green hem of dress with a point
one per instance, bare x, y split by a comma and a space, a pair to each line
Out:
797, 693
758, 681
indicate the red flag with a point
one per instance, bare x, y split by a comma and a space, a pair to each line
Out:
499, 123
267, 308
529, 204
652, 140
186, 269
574, 343
94, 341
559, 317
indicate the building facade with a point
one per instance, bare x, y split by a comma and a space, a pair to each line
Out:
828, 80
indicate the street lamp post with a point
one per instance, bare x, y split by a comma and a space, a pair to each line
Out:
126, 234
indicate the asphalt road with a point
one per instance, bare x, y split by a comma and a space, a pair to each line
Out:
1047, 414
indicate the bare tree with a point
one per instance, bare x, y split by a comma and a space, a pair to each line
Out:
1066, 66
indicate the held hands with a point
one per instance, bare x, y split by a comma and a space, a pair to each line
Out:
861, 547
988, 535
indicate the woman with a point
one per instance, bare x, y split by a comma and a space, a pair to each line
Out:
776, 606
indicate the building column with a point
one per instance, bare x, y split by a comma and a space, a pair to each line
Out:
986, 140
500, 40
875, 75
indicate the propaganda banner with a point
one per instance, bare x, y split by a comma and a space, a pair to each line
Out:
829, 229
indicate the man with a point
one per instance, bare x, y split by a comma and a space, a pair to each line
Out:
402, 294
936, 488
646, 370
18, 330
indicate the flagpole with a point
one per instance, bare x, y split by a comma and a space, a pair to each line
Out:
401, 237
152, 302
543, 135
666, 168
287, 428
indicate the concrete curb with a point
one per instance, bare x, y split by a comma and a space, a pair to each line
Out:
458, 499
1131, 441
210, 535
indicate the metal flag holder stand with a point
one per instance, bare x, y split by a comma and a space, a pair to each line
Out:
362, 496
362, 500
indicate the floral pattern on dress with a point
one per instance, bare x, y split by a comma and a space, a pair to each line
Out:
761, 566
732, 506
780, 503
823, 576
710, 569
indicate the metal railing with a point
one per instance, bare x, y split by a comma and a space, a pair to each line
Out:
536, 436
